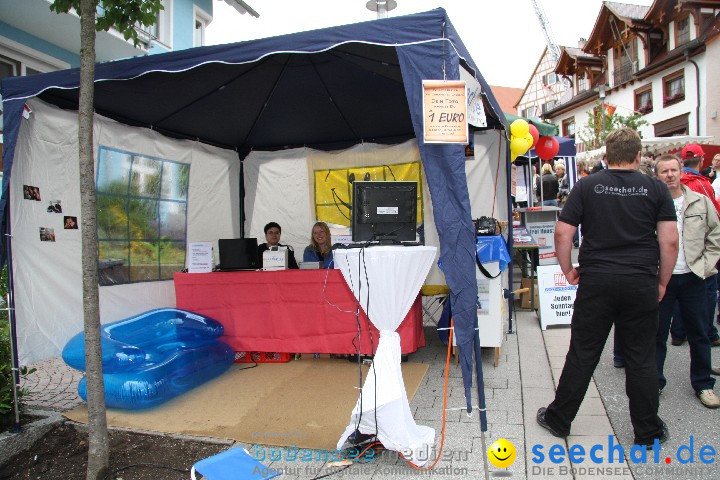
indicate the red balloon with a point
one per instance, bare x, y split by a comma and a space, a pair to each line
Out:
535, 134
547, 147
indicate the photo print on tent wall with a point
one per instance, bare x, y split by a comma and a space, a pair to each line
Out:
70, 223
54, 207
47, 234
31, 193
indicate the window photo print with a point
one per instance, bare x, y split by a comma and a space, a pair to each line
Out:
54, 207
70, 223
31, 193
47, 234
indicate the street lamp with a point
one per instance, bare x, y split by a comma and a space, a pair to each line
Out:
381, 7
601, 94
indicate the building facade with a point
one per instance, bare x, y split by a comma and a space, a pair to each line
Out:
659, 61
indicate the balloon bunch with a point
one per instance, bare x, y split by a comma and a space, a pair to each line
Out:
521, 137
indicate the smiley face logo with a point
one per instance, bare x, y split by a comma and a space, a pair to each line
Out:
502, 453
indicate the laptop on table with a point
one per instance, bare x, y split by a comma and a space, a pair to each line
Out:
238, 254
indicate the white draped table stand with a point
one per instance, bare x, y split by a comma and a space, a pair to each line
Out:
386, 281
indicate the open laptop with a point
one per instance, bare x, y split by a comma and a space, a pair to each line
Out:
238, 254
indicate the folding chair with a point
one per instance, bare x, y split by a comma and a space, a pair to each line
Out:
433, 300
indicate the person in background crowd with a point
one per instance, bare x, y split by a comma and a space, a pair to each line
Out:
582, 169
716, 179
601, 165
320, 249
550, 187
699, 233
626, 260
713, 171
563, 184
272, 239
647, 166
692, 157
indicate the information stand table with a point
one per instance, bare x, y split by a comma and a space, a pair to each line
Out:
306, 311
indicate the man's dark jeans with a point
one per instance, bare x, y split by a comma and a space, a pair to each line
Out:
631, 303
677, 328
688, 290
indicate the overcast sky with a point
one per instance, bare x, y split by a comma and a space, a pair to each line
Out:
503, 36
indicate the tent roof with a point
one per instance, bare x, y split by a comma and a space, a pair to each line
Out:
327, 88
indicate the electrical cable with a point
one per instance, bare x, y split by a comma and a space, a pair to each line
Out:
444, 415
145, 465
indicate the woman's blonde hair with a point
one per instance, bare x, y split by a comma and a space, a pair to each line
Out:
547, 168
327, 245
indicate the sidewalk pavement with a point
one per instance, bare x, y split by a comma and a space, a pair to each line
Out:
530, 364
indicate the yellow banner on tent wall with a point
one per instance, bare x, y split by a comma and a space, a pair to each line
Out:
333, 188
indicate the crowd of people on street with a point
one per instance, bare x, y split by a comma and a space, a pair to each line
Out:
647, 262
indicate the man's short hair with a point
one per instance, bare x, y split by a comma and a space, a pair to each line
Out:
271, 225
622, 146
666, 158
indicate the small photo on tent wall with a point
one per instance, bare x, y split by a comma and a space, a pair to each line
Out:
47, 234
70, 223
54, 207
31, 193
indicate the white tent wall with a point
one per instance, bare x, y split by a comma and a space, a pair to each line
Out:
487, 176
279, 186
48, 277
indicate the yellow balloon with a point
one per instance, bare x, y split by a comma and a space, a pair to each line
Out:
518, 145
512, 157
520, 128
529, 139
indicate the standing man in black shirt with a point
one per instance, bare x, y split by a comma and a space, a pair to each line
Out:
630, 244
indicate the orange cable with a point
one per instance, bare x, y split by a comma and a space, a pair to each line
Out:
444, 416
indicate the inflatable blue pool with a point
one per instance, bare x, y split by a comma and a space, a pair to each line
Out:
153, 357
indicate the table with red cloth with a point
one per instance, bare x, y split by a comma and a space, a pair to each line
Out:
306, 311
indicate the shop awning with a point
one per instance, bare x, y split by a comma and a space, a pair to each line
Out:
544, 129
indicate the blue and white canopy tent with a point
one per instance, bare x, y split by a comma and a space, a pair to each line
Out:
326, 89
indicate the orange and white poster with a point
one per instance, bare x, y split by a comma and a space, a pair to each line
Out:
445, 111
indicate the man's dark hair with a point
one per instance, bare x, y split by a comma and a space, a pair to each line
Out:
622, 146
692, 162
271, 225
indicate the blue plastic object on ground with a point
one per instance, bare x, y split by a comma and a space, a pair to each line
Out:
153, 357
233, 464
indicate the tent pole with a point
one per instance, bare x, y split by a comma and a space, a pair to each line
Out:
508, 185
10, 299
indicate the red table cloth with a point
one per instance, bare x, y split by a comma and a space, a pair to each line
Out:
303, 311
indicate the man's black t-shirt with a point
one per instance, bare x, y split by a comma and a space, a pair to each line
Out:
618, 211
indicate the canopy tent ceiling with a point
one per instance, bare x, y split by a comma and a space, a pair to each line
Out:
653, 145
264, 94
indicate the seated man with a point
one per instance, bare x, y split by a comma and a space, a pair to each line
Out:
272, 239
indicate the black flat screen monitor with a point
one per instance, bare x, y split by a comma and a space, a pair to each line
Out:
238, 254
384, 212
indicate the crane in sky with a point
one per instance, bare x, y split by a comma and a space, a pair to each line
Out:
553, 48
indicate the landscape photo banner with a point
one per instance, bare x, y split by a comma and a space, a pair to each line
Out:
445, 111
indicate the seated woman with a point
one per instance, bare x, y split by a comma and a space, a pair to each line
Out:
319, 249
272, 239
